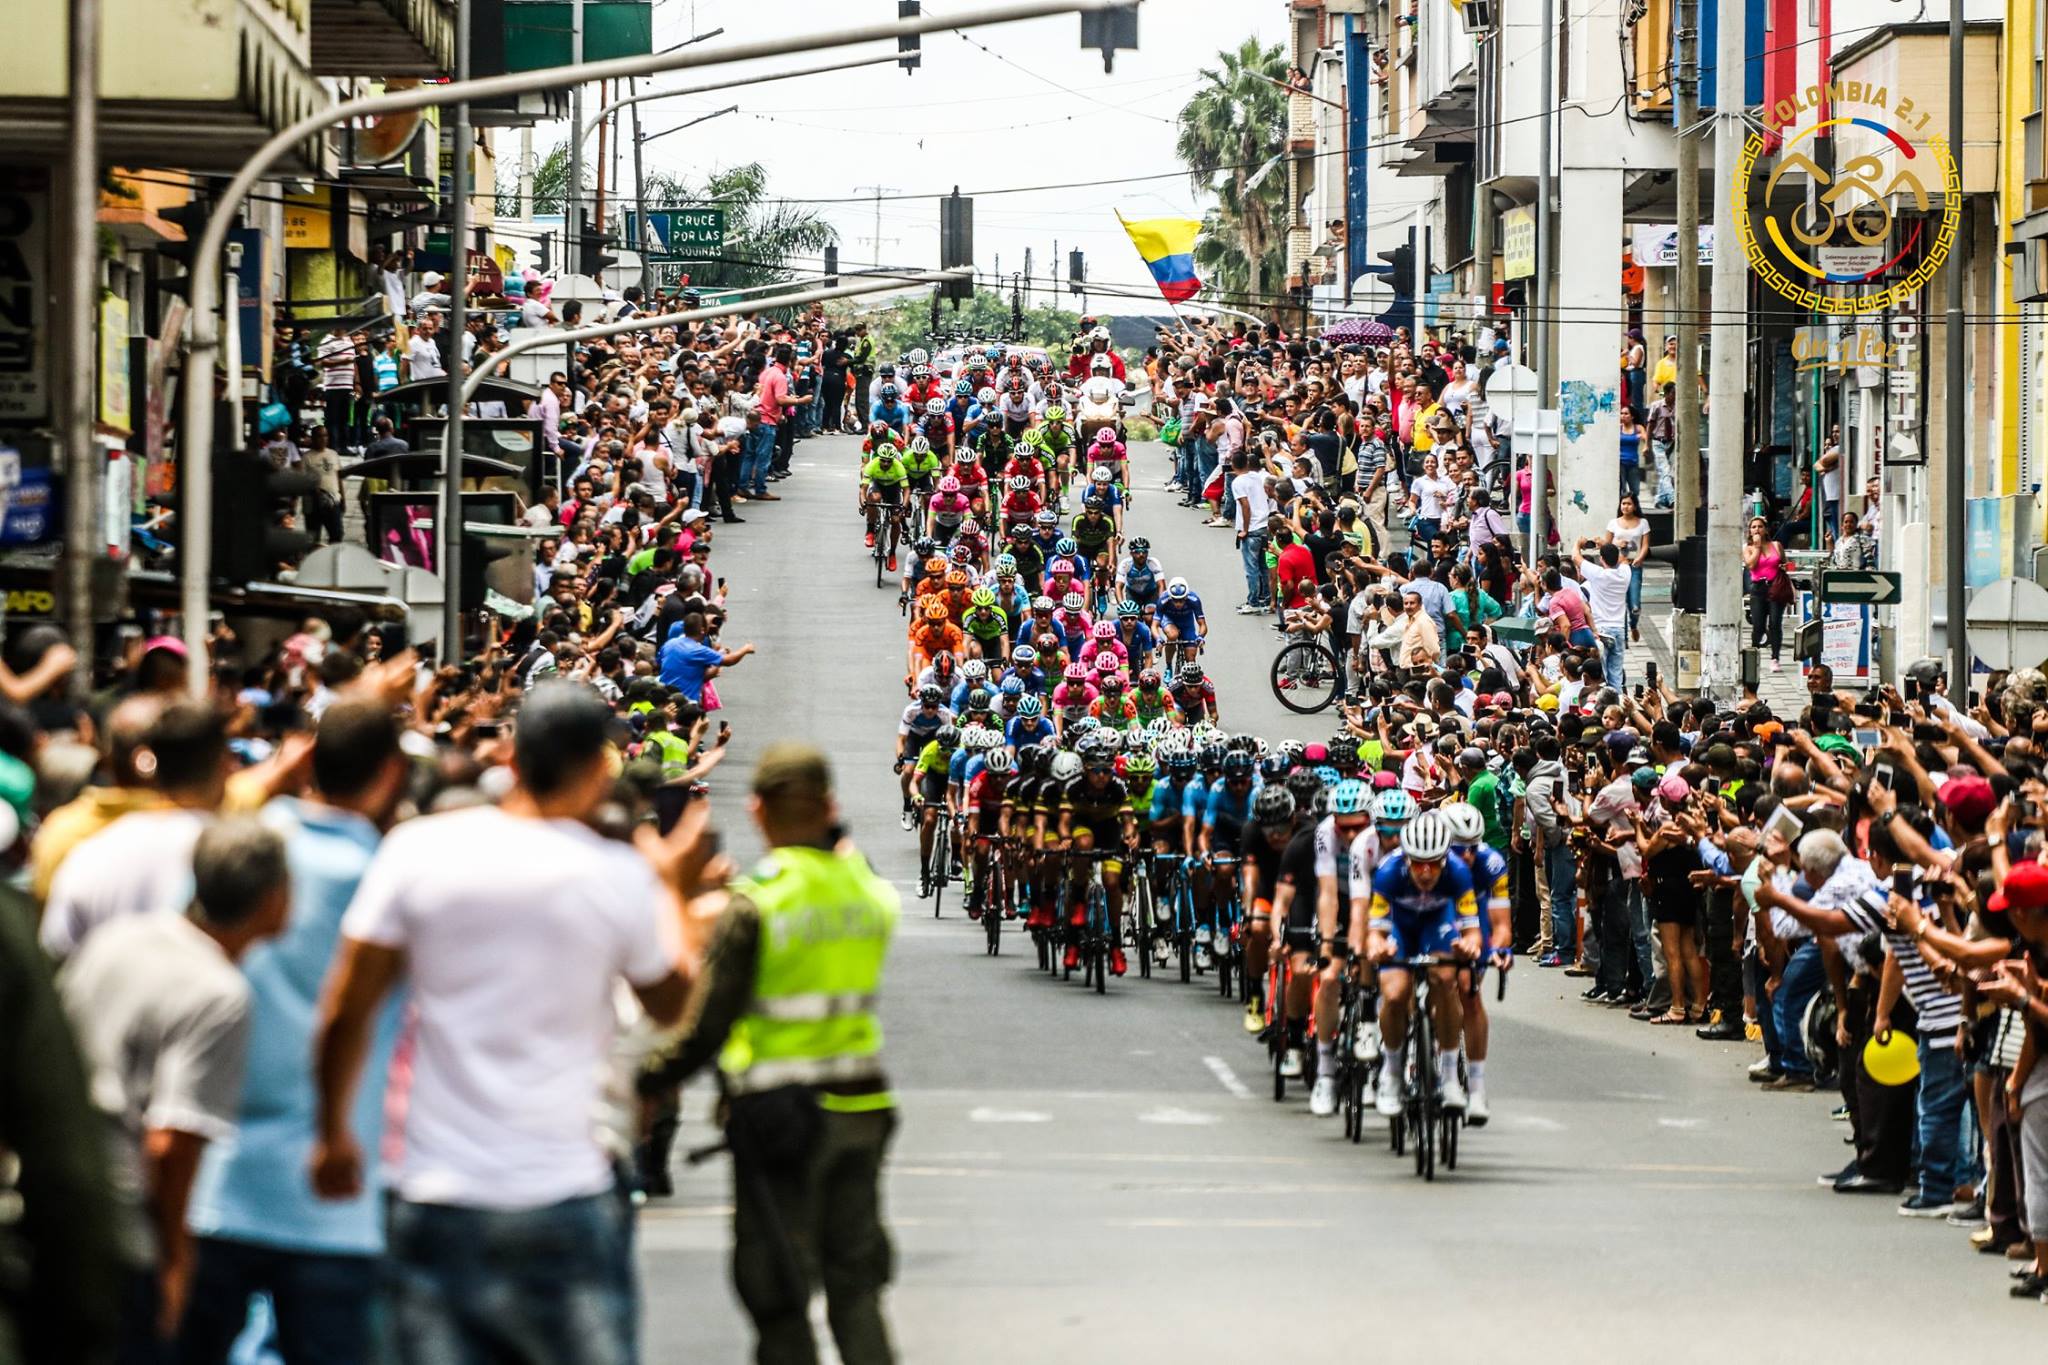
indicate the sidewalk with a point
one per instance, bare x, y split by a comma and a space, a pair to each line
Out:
1784, 692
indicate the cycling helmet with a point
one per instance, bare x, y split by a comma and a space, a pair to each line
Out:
1149, 680
1159, 727
1139, 764
956, 577
1349, 798
974, 670
930, 694
1303, 784
1094, 502
981, 739
948, 736
1041, 603
1030, 708
1236, 764
935, 407
1006, 566
920, 373
919, 356
1045, 516
1076, 672
1055, 413
1272, 806
887, 371
1011, 687
993, 353
1242, 744
1190, 674
1326, 775
963, 456
935, 611
1073, 601
962, 389
949, 485
1026, 655
1394, 806
1100, 474
1083, 728
986, 396
1065, 547
1127, 610
918, 446
1180, 761
924, 549
1112, 679
1273, 768
1177, 587
1104, 630
983, 597
969, 526
883, 432
1385, 781
1464, 822
1427, 838
997, 760
1213, 755
1259, 745
889, 392
1015, 383
1066, 766
1344, 754
1107, 663
1140, 545
1017, 483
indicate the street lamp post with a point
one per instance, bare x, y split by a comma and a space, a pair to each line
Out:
195, 445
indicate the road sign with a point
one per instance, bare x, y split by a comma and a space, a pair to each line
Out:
1863, 587
2009, 623
679, 231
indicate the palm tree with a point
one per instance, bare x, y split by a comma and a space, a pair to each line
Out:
761, 231
1234, 125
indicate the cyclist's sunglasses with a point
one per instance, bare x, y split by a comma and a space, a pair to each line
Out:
1387, 827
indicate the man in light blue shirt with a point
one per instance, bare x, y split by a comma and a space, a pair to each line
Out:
259, 1228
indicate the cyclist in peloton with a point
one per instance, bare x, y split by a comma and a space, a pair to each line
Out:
1194, 696
1225, 810
1350, 814
1422, 905
891, 411
1139, 577
987, 807
882, 482
921, 722
1181, 620
1094, 810
1490, 882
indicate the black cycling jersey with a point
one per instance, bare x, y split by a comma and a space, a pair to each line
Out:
1100, 808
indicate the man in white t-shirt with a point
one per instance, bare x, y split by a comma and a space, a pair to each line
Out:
1606, 580
1252, 505
422, 353
511, 926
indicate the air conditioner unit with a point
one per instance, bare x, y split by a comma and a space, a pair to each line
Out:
1345, 6
1479, 14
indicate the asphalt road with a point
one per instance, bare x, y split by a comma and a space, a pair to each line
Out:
1107, 1179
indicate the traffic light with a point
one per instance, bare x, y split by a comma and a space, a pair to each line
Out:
1110, 30
250, 499
592, 259
909, 47
956, 243
478, 554
1077, 273
831, 267
192, 217
546, 252
1688, 560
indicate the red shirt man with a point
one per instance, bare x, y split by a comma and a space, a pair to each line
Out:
1295, 571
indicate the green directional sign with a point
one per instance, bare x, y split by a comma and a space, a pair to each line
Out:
1860, 587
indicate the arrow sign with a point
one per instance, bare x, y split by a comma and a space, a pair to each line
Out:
1865, 587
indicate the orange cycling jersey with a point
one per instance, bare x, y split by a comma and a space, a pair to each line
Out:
930, 639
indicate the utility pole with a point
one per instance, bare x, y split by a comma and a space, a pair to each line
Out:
526, 173
450, 565
1955, 405
597, 213
1546, 264
1721, 639
84, 538
572, 197
875, 242
640, 206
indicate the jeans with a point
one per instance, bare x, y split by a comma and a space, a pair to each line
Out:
1612, 643
320, 1303
546, 1286
1766, 620
1252, 550
784, 446
1801, 980
758, 450
1667, 488
1564, 898
1635, 596
1614, 933
1632, 480
1944, 1095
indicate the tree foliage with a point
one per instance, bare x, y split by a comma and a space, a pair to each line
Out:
908, 321
1229, 131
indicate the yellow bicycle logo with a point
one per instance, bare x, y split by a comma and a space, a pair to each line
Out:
1844, 235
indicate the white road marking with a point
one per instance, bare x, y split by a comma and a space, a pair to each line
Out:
1227, 1078
1534, 1123
1681, 1123
988, 1115
1182, 1117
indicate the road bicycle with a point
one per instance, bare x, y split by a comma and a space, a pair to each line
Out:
889, 537
1175, 892
1228, 952
1092, 934
1307, 676
1279, 978
938, 868
1358, 1053
1141, 909
998, 900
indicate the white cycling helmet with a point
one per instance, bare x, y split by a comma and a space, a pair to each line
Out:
1177, 587
935, 407
986, 396
1427, 838
1100, 474
919, 356
1066, 765
1463, 819
1099, 334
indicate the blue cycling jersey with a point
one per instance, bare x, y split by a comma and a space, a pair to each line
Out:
895, 414
1395, 896
1141, 581
1021, 732
1181, 612
1225, 808
1139, 641
1169, 798
962, 767
1489, 877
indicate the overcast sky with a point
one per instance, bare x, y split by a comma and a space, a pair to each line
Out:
966, 117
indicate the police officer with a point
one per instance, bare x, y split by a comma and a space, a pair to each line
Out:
787, 1003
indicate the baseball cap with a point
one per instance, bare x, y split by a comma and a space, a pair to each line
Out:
791, 768
1969, 799
2025, 886
1673, 789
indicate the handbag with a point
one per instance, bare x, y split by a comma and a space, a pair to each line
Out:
1170, 433
1781, 593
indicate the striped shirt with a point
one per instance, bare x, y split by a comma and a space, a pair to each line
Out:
337, 362
1939, 1008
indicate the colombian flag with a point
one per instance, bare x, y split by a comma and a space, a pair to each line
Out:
1168, 246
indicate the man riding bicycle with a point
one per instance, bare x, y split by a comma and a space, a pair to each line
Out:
1094, 808
883, 480
1490, 881
1422, 906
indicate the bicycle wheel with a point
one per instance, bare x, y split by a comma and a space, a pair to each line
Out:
1449, 1140
1306, 677
1096, 946
1422, 1102
1276, 1023
993, 898
1141, 912
935, 875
